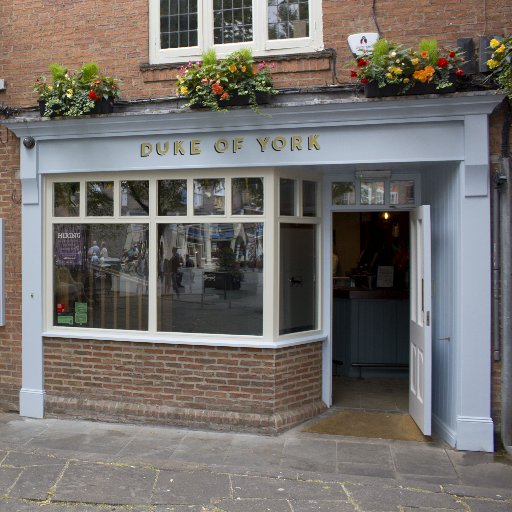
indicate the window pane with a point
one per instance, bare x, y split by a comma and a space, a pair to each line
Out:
100, 198
178, 23
343, 193
247, 196
209, 196
210, 278
172, 197
372, 192
135, 198
100, 276
66, 199
402, 192
298, 290
232, 21
288, 19
286, 197
309, 199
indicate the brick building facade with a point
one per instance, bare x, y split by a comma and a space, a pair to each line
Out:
267, 383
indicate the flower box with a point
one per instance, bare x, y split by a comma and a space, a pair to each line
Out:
406, 71
372, 90
237, 100
217, 84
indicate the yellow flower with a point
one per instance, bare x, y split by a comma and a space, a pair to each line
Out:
415, 61
232, 68
50, 87
69, 93
244, 69
501, 49
494, 43
389, 75
406, 80
491, 63
198, 88
184, 90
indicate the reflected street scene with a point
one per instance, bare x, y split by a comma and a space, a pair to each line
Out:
210, 278
100, 276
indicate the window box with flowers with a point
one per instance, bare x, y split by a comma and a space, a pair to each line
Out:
390, 70
234, 81
75, 94
500, 64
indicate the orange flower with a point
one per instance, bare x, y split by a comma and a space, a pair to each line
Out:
424, 54
217, 88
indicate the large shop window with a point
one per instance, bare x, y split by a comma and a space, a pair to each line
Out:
163, 255
182, 29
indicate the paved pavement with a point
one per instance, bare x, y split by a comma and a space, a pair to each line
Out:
58, 465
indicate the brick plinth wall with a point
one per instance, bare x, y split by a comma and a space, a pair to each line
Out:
265, 390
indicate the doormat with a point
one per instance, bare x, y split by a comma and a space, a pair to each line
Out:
379, 425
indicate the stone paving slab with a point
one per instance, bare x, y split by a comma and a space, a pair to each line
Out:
105, 483
384, 499
276, 488
193, 488
480, 492
8, 477
255, 505
488, 505
310, 455
36, 482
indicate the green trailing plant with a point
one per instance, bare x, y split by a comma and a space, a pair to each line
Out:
74, 94
211, 83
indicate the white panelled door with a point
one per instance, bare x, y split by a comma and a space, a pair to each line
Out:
420, 332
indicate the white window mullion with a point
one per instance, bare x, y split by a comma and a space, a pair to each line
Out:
206, 25
259, 22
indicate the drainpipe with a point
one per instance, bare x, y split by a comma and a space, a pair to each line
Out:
505, 227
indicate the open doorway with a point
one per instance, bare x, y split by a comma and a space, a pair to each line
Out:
371, 313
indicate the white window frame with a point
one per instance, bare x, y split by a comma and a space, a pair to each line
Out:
261, 45
270, 336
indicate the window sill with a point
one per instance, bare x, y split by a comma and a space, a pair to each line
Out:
165, 72
189, 339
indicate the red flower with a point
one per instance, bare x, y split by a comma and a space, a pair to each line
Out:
452, 54
362, 62
442, 62
459, 72
217, 88
364, 80
93, 96
353, 73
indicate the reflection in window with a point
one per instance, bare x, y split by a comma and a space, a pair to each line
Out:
402, 192
178, 23
172, 197
210, 278
309, 199
286, 197
209, 196
232, 21
288, 19
247, 196
100, 198
298, 290
343, 193
100, 276
134, 197
66, 199
372, 192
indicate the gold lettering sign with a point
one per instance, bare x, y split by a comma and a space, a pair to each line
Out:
265, 144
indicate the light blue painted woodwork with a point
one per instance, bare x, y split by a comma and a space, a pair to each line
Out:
370, 331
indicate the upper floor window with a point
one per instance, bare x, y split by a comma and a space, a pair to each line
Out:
183, 29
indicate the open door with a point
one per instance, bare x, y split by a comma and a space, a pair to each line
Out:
420, 337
